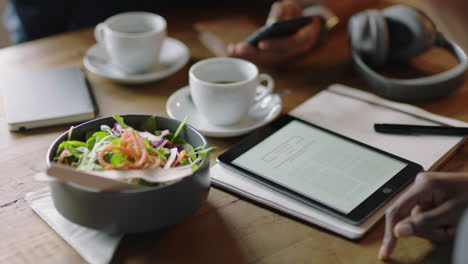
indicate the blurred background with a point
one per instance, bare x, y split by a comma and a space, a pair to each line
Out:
457, 33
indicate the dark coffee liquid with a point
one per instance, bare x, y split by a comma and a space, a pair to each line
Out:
224, 82
137, 32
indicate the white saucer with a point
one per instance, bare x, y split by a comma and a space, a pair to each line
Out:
174, 56
180, 105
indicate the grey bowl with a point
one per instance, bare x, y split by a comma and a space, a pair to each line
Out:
131, 211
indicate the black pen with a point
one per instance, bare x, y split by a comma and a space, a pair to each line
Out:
416, 129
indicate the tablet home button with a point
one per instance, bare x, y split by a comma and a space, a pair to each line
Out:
387, 190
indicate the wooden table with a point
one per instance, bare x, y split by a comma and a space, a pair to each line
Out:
226, 229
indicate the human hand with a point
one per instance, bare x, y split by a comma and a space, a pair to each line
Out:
274, 51
431, 209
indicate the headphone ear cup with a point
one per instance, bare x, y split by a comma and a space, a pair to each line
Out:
369, 37
411, 32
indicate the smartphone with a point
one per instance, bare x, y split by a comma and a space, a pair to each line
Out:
279, 29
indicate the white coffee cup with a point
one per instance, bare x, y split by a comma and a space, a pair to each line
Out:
224, 89
132, 40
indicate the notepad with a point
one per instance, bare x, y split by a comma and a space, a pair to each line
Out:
46, 98
352, 113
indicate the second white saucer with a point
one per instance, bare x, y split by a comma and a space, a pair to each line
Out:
179, 105
174, 56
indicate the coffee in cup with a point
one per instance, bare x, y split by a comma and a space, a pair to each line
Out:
132, 40
224, 89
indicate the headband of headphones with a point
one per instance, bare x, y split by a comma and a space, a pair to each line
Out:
394, 35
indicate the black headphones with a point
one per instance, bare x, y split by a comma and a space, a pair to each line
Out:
396, 34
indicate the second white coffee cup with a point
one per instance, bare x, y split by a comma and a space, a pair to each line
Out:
224, 89
132, 40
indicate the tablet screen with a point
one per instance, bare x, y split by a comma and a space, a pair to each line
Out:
321, 165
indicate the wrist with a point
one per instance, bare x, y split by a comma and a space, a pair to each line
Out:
328, 20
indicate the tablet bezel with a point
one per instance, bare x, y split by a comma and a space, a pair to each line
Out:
360, 212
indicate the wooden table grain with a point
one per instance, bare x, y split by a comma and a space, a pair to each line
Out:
227, 229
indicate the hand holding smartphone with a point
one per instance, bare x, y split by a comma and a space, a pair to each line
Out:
279, 29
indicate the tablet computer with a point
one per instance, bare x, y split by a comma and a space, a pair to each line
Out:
335, 174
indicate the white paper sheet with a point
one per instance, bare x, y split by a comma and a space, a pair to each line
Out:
352, 113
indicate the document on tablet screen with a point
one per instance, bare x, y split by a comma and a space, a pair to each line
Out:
329, 169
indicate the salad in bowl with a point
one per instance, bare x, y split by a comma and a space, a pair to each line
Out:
122, 147
126, 144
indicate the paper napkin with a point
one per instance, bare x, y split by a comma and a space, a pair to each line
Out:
94, 246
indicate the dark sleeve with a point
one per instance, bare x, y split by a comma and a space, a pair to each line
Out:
32, 19
256, 6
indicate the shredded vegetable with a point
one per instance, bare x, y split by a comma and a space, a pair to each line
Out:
124, 148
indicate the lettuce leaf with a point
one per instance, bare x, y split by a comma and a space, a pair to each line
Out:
179, 129
96, 137
70, 144
150, 125
120, 120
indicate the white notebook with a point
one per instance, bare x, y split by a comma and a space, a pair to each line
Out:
352, 113
46, 98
